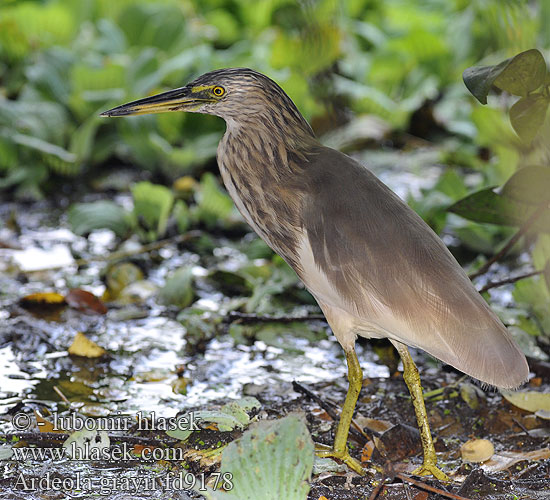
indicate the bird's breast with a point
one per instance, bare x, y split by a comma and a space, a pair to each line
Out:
267, 195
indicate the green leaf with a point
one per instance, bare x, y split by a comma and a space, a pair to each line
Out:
44, 147
152, 205
524, 73
541, 252
213, 204
528, 400
547, 275
271, 461
488, 206
182, 215
529, 185
527, 116
82, 139
485, 206
533, 293
178, 289
85, 217
518, 75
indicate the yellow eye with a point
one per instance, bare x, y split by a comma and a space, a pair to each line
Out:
218, 91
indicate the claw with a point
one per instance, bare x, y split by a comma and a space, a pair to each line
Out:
344, 456
430, 469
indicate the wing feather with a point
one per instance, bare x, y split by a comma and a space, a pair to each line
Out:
376, 261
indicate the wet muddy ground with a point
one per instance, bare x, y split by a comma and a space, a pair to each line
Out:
158, 361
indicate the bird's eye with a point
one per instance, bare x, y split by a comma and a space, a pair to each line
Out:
218, 91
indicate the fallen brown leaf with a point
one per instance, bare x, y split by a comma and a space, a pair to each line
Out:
85, 301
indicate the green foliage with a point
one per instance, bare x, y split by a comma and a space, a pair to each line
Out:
520, 75
152, 207
524, 200
527, 116
213, 204
61, 63
530, 185
154, 210
488, 206
85, 217
178, 289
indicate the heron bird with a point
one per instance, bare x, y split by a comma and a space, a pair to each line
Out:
376, 269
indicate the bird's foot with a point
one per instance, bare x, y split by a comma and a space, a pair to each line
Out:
323, 451
427, 469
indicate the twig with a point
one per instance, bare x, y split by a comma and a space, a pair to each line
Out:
495, 284
521, 426
244, 318
427, 487
356, 430
321, 402
61, 395
522, 230
149, 247
377, 490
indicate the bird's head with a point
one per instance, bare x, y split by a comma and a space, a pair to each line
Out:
239, 95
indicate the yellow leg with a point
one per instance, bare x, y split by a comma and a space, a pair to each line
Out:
412, 379
340, 448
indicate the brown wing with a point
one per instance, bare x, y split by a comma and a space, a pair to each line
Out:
389, 271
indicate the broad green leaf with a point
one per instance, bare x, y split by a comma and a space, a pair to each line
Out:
527, 116
82, 140
178, 289
212, 203
8, 154
524, 73
311, 52
541, 252
152, 206
518, 75
529, 185
528, 400
271, 461
85, 217
44, 147
182, 215
535, 295
488, 206
485, 206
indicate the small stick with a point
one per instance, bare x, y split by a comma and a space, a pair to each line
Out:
507, 281
322, 403
244, 318
377, 490
521, 426
61, 395
427, 487
356, 431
